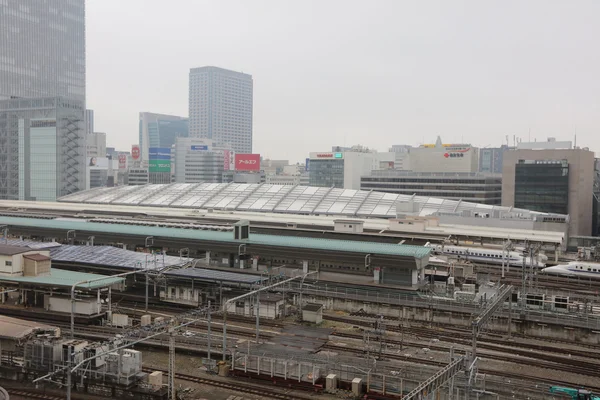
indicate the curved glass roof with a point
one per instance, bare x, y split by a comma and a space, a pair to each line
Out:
288, 200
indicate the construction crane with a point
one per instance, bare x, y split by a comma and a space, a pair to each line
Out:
576, 394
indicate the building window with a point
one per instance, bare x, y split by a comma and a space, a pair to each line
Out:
8, 263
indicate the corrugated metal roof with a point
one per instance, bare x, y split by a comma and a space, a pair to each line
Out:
63, 278
215, 275
7, 250
270, 240
114, 257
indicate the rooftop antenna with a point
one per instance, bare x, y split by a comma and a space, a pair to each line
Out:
575, 138
529, 137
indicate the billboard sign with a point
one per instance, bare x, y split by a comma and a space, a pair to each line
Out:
197, 147
122, 161
159, 159
135, 152
97, 162
159, 153
227, 160
159, 165
247, 162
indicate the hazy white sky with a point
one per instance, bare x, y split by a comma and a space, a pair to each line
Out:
335, 72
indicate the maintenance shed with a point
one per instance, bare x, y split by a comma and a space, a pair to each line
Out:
313, 312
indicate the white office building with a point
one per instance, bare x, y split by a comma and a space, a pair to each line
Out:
220, 107
200, 160
344, 169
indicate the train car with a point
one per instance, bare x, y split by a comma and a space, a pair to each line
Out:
488, 256
575, 269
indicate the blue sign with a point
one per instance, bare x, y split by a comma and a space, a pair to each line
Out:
199, 147
159, 153
306, 164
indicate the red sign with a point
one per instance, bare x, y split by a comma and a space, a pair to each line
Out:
247, 162
325, 155
135, 152
456, 153
122, 161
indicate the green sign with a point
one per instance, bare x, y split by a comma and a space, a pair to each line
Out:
159, 165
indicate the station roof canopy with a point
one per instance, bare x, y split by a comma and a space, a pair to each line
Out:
60, 278
261, 240
268, 198
212, 275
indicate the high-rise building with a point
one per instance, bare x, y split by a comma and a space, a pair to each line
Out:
89, 121
42, 48
160, 131
556, 180
42, 148
220, 107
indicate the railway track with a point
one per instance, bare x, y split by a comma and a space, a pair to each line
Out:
235, 386
33, 394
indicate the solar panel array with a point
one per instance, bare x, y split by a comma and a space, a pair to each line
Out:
279, 199
114, 257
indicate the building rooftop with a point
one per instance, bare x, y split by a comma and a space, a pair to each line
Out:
314, 307
36, 257
266, 198
13, 328
8, 250
64, 279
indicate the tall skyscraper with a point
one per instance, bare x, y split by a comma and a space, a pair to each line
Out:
220, 107
160, 130
42, 48
42, 99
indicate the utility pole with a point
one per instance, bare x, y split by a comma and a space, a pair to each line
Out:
208, 334
172, 392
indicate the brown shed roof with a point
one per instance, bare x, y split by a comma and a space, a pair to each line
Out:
36, 257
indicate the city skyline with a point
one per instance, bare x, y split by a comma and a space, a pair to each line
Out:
383, 74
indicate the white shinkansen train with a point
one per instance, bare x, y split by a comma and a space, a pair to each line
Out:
488, 256
574, 269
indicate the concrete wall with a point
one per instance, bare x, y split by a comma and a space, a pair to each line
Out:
581, 182
424, 314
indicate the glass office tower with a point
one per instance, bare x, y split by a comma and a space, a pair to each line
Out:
42, 48
542, 185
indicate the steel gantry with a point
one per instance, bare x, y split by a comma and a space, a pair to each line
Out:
438, 379
504, 292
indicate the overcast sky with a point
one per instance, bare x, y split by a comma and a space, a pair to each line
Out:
376, 73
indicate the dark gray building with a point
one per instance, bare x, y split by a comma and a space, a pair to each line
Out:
472, 187
42, 48
42, 148
220, 107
